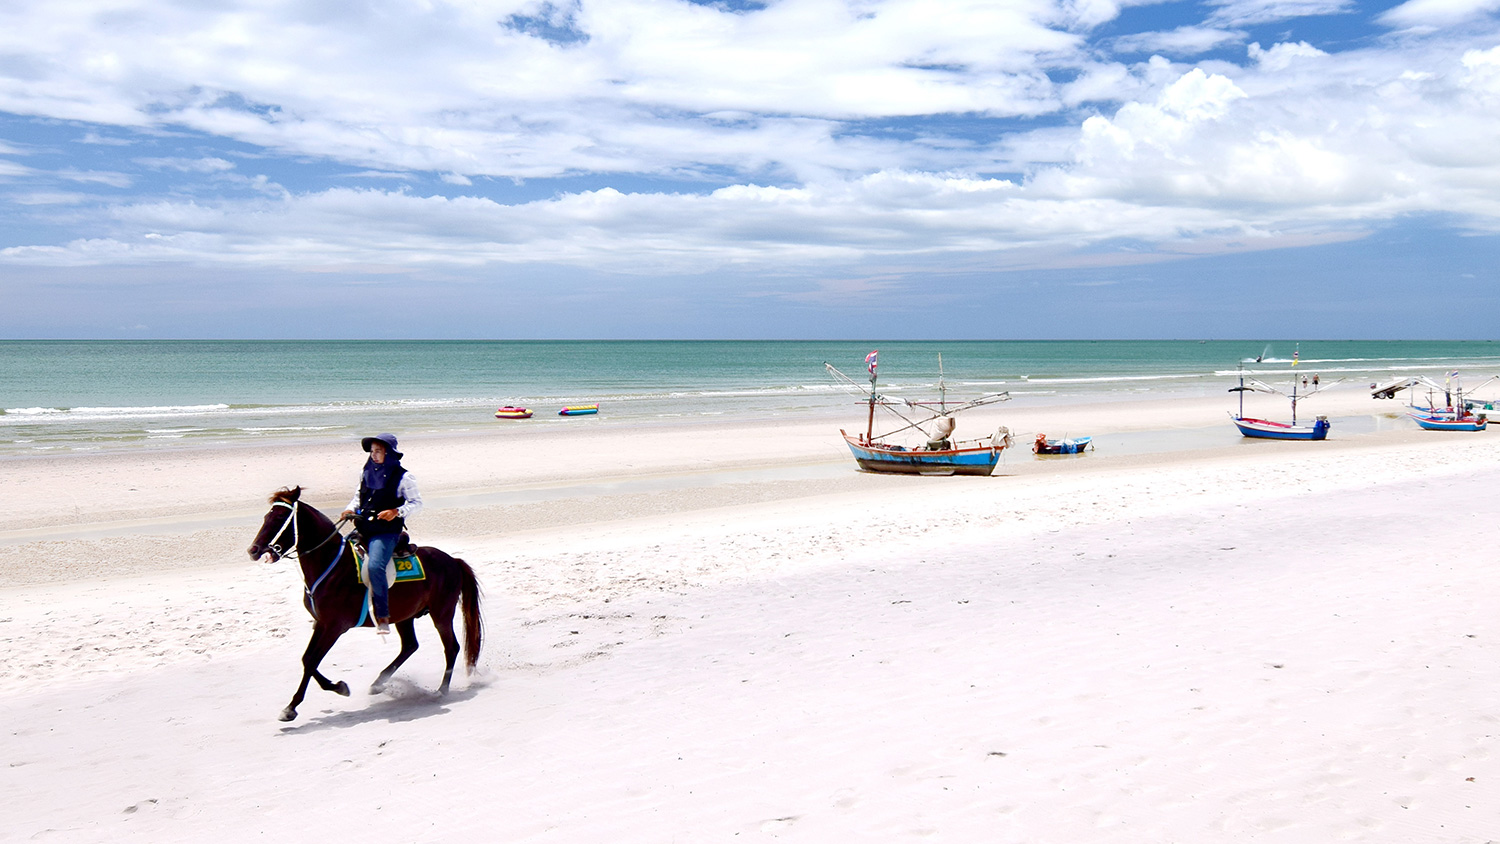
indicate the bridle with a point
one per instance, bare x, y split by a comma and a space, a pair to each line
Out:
296, 551
291, 521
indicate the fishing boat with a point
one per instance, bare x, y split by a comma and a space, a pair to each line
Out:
509, 412
932, 450
1266, 429
579, 410
1449, 422
1075, 445
1456, 413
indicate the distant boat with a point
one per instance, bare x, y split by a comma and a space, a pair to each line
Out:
579, 410
1076, 445
1265, 429
509, 412
940, 454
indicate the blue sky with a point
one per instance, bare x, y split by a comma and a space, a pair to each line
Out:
788, 168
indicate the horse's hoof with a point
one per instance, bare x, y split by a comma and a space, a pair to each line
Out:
443, 690
288, 714
341, 689
377, 688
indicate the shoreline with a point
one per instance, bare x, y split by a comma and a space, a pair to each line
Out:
122, 508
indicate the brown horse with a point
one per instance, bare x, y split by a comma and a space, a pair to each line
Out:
336, 598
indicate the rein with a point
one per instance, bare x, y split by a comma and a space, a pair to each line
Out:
291, 519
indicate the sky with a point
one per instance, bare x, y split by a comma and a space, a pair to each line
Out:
736, 169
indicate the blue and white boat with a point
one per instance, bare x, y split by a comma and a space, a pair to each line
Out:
1266, 429
887, 457
1449, 421
940, 454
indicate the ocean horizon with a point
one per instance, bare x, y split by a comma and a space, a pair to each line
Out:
64, 396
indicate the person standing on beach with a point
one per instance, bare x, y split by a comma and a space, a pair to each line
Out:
387, 496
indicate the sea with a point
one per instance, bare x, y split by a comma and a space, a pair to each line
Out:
71, 396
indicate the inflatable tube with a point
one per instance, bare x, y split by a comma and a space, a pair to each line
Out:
578, 410
509, 412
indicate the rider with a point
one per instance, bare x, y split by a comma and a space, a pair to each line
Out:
387, 496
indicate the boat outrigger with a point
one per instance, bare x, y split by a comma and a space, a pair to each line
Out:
1269, 430
940, 454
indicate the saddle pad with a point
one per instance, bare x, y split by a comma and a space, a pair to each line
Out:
408, 567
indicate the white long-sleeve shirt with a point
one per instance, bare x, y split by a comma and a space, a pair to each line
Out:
407, 489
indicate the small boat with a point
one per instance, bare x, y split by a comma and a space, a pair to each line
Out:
509, 412
1075, 445
1450, 422
579, 410
1266, 429
939, 454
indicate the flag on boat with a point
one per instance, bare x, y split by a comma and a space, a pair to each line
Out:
870, 361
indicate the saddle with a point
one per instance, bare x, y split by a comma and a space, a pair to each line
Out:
404, 546
404, 561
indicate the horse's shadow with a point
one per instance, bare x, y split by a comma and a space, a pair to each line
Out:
405, 702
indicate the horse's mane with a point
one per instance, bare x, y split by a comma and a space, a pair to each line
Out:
286, 495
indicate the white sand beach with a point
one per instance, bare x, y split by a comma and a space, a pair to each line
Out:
723, 632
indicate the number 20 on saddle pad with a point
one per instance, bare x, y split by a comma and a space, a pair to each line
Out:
407, 566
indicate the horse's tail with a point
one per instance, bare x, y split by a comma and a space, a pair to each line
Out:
468, 594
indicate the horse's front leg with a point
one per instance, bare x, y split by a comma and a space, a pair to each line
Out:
317, 647
408, 632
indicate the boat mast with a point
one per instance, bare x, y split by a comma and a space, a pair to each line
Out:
942, 387
1295, 355
870, 427
1242, 389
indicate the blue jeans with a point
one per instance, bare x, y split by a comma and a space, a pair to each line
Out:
381, 548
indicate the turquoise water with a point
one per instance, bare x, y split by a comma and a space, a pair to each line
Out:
89, 395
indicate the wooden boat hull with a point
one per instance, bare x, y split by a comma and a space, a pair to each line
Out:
1265, 429
1450, 423
877, 457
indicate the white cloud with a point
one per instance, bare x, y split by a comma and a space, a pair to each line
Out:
444, 87
1183, 41
796, 108
1281, 56
1247, 12
209, 164
48, 198
98, 177
1432, 14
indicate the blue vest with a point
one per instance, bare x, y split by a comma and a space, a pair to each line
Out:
377, 493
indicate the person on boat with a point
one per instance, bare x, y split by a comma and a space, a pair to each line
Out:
387, 497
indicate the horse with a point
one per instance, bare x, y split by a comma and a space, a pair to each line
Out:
335, 598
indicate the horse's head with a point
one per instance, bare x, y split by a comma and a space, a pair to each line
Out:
276, 530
